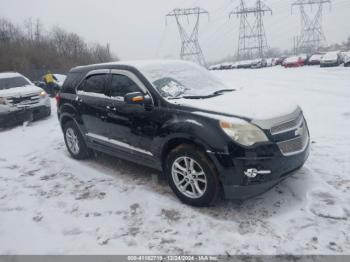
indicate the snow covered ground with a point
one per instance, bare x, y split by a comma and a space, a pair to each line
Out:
52, 204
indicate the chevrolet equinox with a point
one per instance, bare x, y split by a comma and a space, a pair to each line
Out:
177, 117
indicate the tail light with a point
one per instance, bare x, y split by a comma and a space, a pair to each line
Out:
58, 100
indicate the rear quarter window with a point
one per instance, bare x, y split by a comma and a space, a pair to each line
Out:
71, 82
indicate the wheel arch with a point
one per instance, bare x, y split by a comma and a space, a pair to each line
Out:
181, 140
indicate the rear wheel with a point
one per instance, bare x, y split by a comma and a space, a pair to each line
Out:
75, 142
192, 176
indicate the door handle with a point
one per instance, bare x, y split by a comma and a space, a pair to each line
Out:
111, 108
79, 99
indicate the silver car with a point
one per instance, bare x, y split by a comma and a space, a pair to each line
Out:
21, 100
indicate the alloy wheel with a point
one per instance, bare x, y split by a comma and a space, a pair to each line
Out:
72, 140
189, 177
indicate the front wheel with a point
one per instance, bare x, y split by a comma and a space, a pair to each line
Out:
192, 176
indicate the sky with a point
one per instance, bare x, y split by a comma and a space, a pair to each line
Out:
137, 29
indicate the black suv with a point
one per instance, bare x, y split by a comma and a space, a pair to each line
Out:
178, 118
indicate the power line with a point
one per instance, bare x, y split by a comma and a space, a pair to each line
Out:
311, 37
190, 48
252, 42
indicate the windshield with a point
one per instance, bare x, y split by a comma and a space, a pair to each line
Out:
182, 79
7, 83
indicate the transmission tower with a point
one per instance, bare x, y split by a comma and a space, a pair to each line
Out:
311, 37
252, 42
190, 48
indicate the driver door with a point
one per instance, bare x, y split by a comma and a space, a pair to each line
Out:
128, 121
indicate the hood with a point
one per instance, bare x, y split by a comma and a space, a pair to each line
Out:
20, 91
243, 104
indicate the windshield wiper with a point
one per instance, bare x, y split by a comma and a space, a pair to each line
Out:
219, 92
193, 97
216, 93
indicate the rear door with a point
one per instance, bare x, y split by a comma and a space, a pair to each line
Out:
92, 103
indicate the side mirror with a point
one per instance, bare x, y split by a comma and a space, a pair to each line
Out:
139, 98
134, 98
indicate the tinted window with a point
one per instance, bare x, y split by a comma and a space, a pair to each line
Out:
95, 84
71, 82
122, 85
7, 83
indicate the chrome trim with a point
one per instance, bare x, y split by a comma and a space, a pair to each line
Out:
296, 126
295, 152
269, 123
253, 172
118, 143
97, 71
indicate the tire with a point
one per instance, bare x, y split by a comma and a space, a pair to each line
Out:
187, 191
72, 134
48, 113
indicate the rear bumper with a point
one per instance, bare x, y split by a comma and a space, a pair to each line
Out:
236, 185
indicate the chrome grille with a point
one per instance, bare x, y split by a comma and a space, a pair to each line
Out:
287, 126
22, 101
297, 144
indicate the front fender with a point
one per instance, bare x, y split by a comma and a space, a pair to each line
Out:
201, 131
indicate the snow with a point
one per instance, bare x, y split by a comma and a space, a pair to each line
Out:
52, 204
244, 103
330, 56
292, 59
60, 78
22, 90
316, 57
9, 75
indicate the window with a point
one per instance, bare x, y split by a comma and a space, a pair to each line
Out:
122, 85
71, 82
17, 81
95, 84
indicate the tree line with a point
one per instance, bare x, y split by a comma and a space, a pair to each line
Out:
32, 50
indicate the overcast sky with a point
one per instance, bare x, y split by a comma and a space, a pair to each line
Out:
136, 29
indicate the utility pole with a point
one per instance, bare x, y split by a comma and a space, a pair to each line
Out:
311, 36
190, 48
252, 41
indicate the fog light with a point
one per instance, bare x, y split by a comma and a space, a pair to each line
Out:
253, 172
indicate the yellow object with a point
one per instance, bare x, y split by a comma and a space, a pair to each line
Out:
48, 78
137, 99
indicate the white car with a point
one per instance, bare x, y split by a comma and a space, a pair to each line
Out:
347, 59
21, 100
331, 59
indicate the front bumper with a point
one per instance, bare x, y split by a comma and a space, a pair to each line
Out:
19, 115
236, 185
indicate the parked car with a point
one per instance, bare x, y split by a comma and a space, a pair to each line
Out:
315, 59
225, 66
177, 117
21, 100
280, 60
347, 59
293, 61
245, 64
258, 63
331, 59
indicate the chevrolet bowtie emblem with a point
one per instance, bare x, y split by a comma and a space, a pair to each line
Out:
299, 131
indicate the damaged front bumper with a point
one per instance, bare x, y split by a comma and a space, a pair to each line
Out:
246, 177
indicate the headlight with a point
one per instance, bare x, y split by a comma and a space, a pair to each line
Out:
43, 94
243, 132
2, 101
